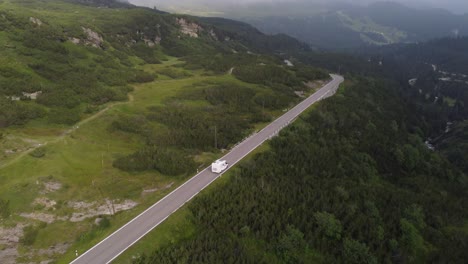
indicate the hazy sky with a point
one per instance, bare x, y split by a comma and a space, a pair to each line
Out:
456, 6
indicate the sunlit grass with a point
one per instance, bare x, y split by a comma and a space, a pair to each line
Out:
82, 162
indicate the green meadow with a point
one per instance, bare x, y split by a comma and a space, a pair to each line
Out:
81, 162
120, 123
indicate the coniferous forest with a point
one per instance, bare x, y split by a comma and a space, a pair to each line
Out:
351, 182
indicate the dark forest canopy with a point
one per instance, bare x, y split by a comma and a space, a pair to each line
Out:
351, 182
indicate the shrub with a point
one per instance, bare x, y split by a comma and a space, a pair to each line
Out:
4, 208
266, 74
104, 223
38, 153
356, 252
64, 116
142, 77
17, 113
174, 74
29, 235
167, 161
60, 98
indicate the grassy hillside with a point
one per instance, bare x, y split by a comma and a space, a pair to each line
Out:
90, 89
54, 50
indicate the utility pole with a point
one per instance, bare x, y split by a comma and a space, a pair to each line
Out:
216, 138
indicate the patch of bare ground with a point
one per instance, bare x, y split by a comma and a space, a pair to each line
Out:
9, 238
8, 255
51, 186
93, 209
43, 217
45, 202
300, 94
315, 84
83, 210
51, 252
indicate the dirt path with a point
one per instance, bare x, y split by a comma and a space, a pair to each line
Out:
131, 99
68, 131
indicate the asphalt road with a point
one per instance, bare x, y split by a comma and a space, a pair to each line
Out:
115, 244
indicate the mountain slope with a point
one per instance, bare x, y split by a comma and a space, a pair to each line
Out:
433, 78
106, 107
106, 50
348, 26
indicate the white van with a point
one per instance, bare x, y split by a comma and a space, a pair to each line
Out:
219, 166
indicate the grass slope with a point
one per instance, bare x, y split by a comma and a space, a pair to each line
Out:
101, 105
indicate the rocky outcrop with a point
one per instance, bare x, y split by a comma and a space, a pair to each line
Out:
9, 239
74, 40
35, 21
213, 34
152, 42
93, 39
84, 210
32, 96
189, 28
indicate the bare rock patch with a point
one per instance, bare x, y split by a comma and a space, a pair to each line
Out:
93, 38
93, 209
188, 28
9, 238
35, 21
9, 255
46, 202
43, 217
51, 186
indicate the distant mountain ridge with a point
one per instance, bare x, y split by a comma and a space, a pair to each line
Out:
348, 26
331, 25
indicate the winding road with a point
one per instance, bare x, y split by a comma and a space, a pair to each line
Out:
115, 244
